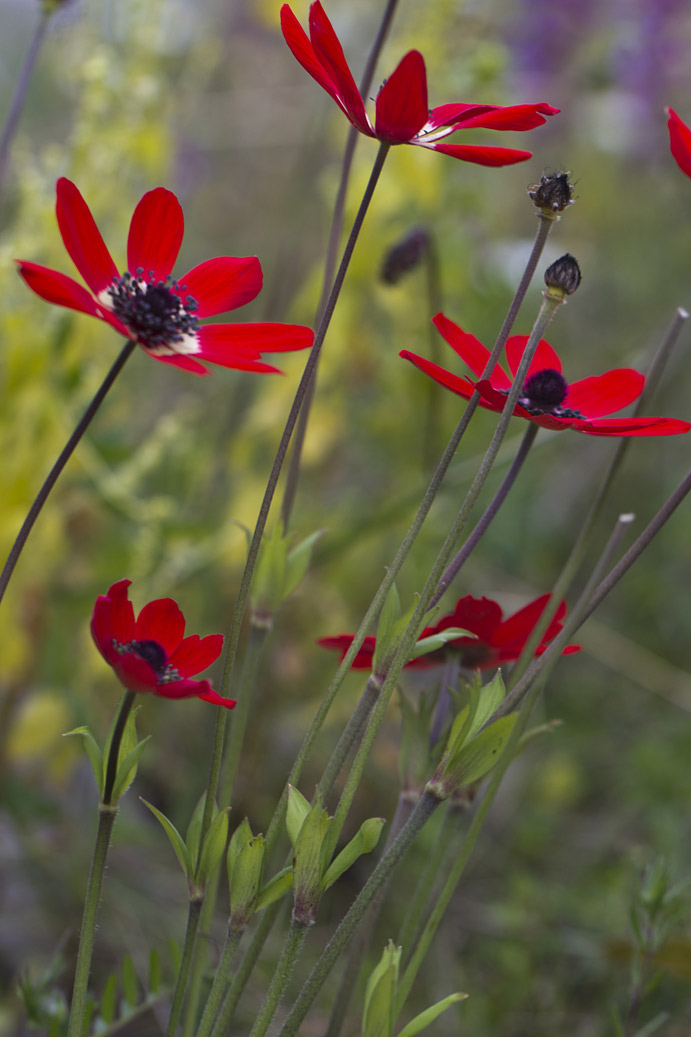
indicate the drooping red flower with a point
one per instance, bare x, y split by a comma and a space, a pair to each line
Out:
497, 640
146, 303
151, 653
679, 141
401, 112
547, 398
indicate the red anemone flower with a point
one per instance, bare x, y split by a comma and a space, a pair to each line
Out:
150, 653
401, 112
547, 398
146, 304
679, 141
497, 640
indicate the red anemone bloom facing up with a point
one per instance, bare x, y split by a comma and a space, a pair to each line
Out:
146, 303
151, 653
401, 112
547, 398
497, 640
679, 141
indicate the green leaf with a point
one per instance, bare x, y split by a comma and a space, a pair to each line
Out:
127, 769
154, 981
275, 888
425, 1019
389, 616
477, 757
430, 644
109, 999
214, 846
298, 561
364, 841
240, 837
484, 700
128, 742
296, 812
94, 752
130, 987
176, 840
194, 828
380, 995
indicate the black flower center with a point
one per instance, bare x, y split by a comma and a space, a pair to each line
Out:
157, 312
154, 654
544, 392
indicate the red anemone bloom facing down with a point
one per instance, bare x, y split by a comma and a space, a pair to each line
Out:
151, 653
401, 112
547, 398
497, 640
146, 303
679, 141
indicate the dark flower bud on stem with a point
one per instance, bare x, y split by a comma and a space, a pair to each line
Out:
553, 194
564, 275
404, 255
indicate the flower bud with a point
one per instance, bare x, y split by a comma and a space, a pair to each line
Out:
404, 255
553, 194
564, 275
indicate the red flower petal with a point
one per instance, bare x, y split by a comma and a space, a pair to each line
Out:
342, 642
470, 349
221, 284
481, 616
517, 117
161, 621
630, 426
679, 141
298, 41
518, 627
605, 393
82, 237
249, 341
461, 386
113, 620
184, 689
217, 700
328, 51
479, 155
136, 674
181, 360
195, 653
401, 108
58, 289
544, 358
155, 234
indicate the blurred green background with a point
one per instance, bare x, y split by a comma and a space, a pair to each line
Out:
206, 99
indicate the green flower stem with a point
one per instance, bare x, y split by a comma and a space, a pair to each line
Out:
586, 530
193, 916
245, 968
289, 956
20, 91
350, 735
106, 820
220, 983
338, 942
293, 472
57, 468
118, 731
486, 520
430, 433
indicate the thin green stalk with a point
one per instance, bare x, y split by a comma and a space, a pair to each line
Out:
483, 525
409, 932
220, 983
284, 969
434, 305
193, 916
349, 736
57, 468
338, 942
20, 91
118, 731
587, 527
293, 472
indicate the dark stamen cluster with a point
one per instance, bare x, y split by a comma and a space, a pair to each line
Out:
152, 653
544, 392
155, 311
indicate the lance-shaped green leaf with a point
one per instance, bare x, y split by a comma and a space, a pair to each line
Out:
279, 569
472, 760
213, 846
390, 631
94, 753
245, 863
298, 561
275, 888
379, 1012
425, 645
484, 700
364, 841
297, 810
308, 863
176, 840
426, 1018
127, 768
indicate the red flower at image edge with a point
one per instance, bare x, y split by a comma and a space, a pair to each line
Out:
547, 399
679, 141
146, 304
151, 653
401, 112
498, 640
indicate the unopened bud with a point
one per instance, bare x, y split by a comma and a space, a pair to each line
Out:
564, 275
404, 255
553, 194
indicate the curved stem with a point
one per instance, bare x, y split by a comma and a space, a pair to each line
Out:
114, 752
57, 468
20, 92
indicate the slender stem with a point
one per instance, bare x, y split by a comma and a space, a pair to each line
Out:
248, 682
350, 735
220, 983
289, 955
106, 820
118, 730
293, 472
490, 513
338, 942
193, 915
587, 527
434, 305
57, 468
20, 91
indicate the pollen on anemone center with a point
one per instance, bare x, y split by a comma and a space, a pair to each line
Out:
546, 390
156, 312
